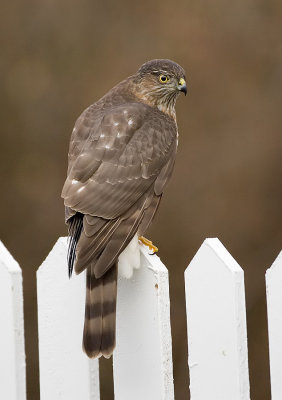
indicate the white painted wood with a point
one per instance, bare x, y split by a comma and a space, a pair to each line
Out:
143, 357
12, 352
216, 323
66, 373
273, 278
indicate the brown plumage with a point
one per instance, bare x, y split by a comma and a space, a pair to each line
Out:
121, 155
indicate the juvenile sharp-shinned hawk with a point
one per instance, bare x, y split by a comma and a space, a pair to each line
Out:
121, 156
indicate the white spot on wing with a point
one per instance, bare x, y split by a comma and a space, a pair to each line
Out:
130, 121
81, 189
74, 181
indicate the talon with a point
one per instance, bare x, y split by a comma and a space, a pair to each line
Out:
148, 243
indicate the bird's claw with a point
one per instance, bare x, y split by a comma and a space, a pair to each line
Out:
148, 243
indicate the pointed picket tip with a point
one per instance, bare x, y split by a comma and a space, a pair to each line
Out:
12, 350
215, 248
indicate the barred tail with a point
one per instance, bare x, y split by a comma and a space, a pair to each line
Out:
100, 313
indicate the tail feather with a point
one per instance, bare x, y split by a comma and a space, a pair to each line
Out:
100, 313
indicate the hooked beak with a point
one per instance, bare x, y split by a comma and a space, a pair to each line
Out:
182, 86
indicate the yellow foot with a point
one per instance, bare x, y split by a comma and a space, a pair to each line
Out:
148, 243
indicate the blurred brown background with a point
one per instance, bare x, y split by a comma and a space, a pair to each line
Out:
60, 56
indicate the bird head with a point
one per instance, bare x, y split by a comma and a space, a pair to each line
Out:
159, 82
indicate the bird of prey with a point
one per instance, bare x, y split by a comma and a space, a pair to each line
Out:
121, 156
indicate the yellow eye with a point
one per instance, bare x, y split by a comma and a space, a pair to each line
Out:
164, 78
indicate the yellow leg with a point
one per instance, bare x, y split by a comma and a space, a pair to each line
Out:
148, 243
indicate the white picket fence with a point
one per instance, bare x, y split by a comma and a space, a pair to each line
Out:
142, 362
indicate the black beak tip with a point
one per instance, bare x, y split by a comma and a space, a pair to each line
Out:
183, 89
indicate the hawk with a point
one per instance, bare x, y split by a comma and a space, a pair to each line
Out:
121, 156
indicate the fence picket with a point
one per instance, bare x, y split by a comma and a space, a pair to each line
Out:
216, 323
12, 359
65, 371
273, 278
143, 357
